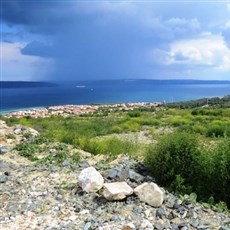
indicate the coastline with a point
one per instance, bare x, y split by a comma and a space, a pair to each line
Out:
67, 110
6, 111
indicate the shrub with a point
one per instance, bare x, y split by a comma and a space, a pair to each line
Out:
215, 131
109, 145
116, 129
27, 150
221, 171
199, 129
173, 159
178, 121
10, 136
130, 126
149, 122
134, 113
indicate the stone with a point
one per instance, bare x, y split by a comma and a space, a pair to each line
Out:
3, 179
3, 150
111, 173
160, 213
203, 227
195, 223
17, 131
141, 168
133, 176
171, 200
116, 190
146, 225
90, 180
83, 164
172, 215
224, 228
123, 174
150, 193
131, 226
87, 226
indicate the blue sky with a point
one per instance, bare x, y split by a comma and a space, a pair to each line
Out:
84, 40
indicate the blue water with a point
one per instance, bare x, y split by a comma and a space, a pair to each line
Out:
113, 91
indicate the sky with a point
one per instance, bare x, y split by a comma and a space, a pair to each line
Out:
57, 40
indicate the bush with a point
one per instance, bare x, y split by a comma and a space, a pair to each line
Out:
178, 121
109, 145
215, 131
130, 126
149, 122
27, 150
221, 171
173, 160
134, 113
199, 129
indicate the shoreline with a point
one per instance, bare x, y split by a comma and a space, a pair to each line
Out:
6, 111
67, 110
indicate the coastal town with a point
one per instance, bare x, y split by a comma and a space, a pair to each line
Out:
68, 110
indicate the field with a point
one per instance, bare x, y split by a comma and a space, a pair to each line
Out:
186, 150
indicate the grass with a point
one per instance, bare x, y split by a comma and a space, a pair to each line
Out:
38, 149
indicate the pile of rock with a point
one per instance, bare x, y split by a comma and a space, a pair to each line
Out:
10, 136
91, 180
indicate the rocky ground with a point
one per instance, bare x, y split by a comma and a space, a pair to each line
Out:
35, 195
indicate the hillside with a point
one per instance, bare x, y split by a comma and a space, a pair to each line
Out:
222, 102
43, 192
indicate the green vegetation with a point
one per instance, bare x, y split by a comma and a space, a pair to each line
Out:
109, 145
10, 136
223, 102
42, 150
183, 164
173, 160
192, 153
27, 150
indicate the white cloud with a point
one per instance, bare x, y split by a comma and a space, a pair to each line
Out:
208, 51
181, 22
16, 66
227, 24
228, 7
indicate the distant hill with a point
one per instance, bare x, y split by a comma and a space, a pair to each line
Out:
223, 102
25, 84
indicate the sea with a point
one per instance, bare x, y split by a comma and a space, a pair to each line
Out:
26, 95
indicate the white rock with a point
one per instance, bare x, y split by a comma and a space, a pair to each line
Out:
33, 132
150, 193
17, 131
72, 218
131, 225
84, 212
116, 190
90, 180
146, 225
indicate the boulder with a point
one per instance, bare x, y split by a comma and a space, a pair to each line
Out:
150, 193
90, 180
116, 190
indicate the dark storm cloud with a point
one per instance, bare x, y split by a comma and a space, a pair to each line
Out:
44, 17
106, 39
85, 45
36, 48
